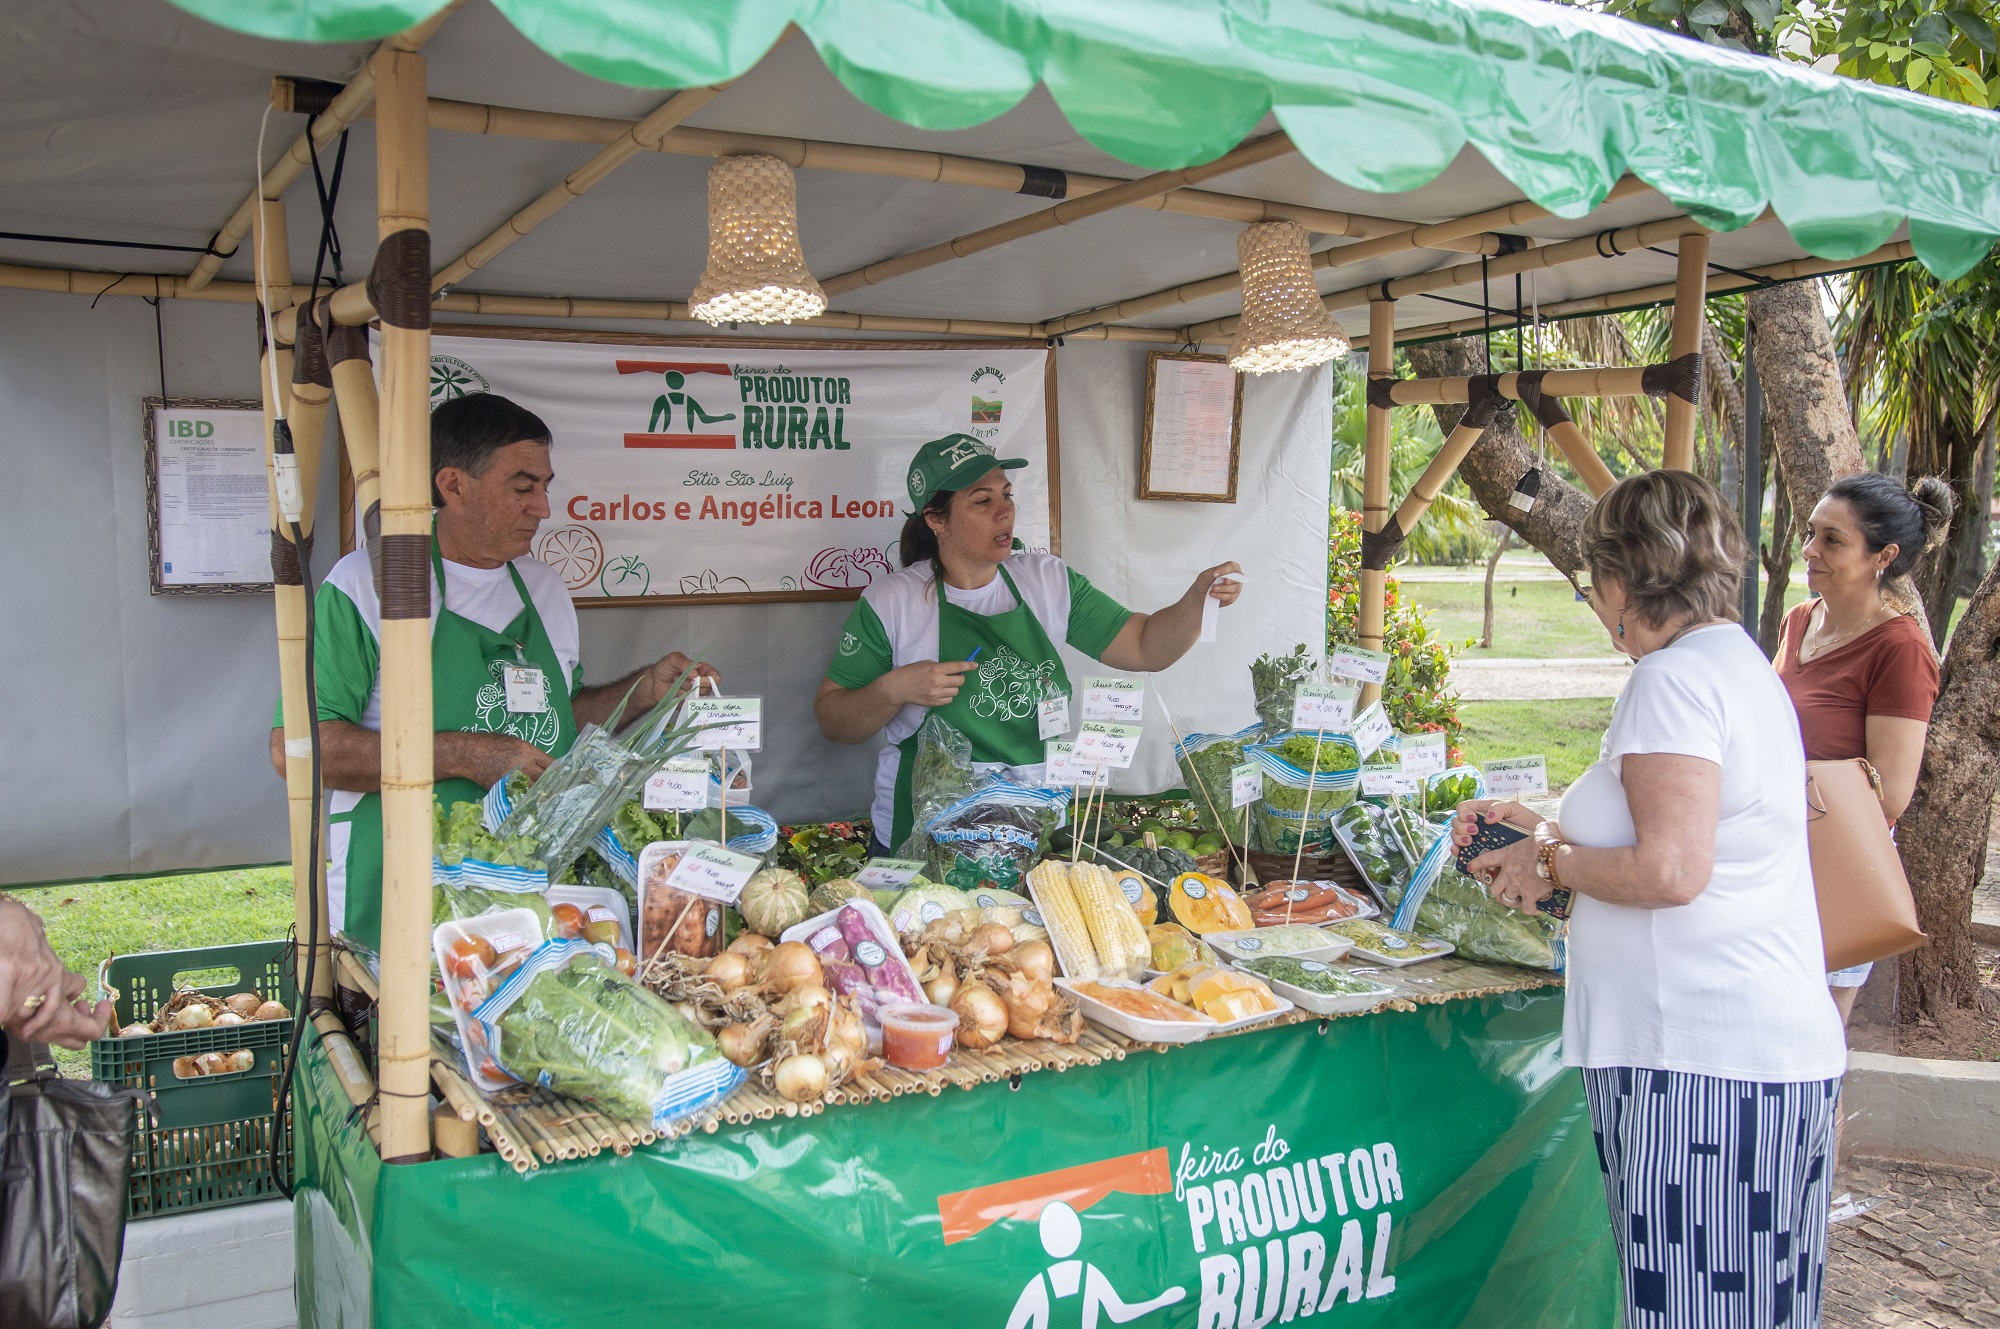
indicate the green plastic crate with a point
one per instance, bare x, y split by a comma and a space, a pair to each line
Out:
207, 1142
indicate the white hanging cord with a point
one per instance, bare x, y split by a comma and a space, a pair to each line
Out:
1535, 301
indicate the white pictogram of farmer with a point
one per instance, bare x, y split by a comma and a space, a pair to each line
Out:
1062, 1233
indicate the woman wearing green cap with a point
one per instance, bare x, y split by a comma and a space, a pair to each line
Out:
968, 628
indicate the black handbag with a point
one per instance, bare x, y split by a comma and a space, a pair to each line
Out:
67, 1165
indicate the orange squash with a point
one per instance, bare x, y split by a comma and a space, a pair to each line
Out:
1202, 905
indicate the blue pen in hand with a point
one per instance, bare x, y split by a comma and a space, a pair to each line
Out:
975, 654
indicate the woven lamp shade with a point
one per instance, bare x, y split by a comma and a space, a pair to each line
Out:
1284, 324
755, 273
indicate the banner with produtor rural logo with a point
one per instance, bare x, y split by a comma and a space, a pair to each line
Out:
723, 470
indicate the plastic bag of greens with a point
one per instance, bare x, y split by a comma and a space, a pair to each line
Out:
989, 837
569, 1021
1206, 761
1390, 845
1274, 679
1299, 802
1453, 907
1444, 791
941, 773
465, 851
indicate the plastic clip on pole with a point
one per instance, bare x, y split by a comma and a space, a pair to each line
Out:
285, 472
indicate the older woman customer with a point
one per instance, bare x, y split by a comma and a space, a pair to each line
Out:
1862, 672
1697, 1006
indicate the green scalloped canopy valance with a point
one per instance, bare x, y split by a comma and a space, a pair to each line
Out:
1378, 94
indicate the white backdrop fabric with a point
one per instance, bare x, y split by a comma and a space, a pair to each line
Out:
137, 726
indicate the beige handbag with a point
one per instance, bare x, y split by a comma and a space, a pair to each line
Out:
1865, 909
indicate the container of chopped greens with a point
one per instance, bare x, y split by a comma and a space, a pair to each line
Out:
1316, 986
1391, 946
1308, 779
1296, 940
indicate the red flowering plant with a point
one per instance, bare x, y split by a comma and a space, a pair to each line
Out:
1418, 695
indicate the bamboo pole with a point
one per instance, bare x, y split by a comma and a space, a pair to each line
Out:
1268, 148
361, 429
902, 164
1375, 479
641, 136
1690, 297
1432, 482
403, 262
1472, 233
1626, 381
349, 105
1606, 244
1583, 458
349, 1070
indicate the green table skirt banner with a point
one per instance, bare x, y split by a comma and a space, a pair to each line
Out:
1432, 1167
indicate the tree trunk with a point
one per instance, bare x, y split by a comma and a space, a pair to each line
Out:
1776, 556
1943, 833
1976, 521
1502, 456
1492, 566
1805, 401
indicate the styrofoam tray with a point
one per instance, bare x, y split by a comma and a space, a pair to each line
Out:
1434, 950
523, 924
1328, 1003
1363, 902
1284, 1005
587, 898
1243, 945
1132, 1026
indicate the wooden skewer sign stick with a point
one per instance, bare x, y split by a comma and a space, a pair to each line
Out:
1319, 737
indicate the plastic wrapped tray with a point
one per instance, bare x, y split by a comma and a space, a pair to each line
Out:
1137, 1027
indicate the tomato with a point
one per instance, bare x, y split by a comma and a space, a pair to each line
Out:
628, 964
568, 920
469, 957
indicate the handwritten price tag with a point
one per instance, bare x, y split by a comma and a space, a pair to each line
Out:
728, 722
1099, 743
1317, 706
1371, 730
888, 874
1117, 700
1423, 754
1358, 662
1382, 780
679, 786
1246, 784
1517, 775
1063, 770
713, 872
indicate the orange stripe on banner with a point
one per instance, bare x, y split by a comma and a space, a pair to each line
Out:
662, 366
725, 441
968, 1213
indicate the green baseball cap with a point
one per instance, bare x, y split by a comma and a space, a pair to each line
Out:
953, 462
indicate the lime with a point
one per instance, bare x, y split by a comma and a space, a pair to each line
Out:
1178, 840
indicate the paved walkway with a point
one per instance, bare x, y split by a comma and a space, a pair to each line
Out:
1503, 679
1928, 1254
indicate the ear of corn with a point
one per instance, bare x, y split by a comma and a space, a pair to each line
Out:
1049, 883
1115, 934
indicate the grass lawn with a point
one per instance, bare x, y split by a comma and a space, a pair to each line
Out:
1539, 619
1565, 732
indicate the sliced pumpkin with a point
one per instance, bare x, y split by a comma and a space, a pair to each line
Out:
1173, 946
1202, 905
1138, 893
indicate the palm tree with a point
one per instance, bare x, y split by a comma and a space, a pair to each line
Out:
1455, 527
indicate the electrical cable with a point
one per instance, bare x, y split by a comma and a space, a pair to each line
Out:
102, 244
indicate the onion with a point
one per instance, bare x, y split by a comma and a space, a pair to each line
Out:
1036, 960
244, 1004
942, 988
993, 938
801, 1078
272, 1010
751, 944
1029, 1000
792, 965
229, 1017
838, 1062
187, 1068
196, 1016
135, 1030
729, 970
212, 1063
243, 1059
810, 997
982, 1016
743, 1044
845, 1030
799, 1023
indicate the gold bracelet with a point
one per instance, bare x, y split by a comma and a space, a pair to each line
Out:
1545, 861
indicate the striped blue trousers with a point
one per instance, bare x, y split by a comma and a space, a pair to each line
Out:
1718, 1195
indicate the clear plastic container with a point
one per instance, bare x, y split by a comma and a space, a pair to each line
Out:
916, 1036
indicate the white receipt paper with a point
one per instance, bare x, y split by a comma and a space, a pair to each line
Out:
1211, 608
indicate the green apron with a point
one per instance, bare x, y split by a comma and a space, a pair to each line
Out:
467, 696
996, 708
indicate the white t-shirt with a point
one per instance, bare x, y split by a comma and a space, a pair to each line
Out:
1732, 984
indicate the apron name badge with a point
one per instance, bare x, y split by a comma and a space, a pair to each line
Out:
526, 689
1052, 717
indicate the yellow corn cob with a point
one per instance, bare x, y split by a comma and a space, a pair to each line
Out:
1050, 884
1115, 934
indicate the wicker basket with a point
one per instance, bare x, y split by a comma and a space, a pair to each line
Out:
1335, 868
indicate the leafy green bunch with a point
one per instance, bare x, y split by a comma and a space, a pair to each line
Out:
1417, 696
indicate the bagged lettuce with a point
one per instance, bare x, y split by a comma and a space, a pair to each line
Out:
1457, 909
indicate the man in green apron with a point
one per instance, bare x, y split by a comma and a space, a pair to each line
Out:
968, 629
506, 676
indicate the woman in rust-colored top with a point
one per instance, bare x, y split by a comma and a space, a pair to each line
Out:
1861, 673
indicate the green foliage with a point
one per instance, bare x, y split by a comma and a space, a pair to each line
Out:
1418, 695
1945, 50
1454, 529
